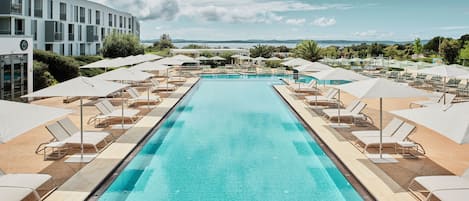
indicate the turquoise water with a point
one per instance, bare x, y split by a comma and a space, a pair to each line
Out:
302, 78
231, 139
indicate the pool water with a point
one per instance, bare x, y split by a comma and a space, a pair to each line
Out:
301, 79
231, 139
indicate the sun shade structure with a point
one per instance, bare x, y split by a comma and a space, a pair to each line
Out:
202, 58
313, 67
296, 62
451, 121
79, 87
26, 117
150, 66
184, 59
122, 75
380, 88
217, 58
170, 61
339, 74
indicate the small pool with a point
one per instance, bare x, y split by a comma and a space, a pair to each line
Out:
231, 138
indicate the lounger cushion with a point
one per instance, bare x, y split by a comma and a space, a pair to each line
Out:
14, 194
32, 181
433, 183
452, 195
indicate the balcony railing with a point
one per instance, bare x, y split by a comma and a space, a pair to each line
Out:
71, 36
16, 8
19, 32
37, 12
98, 21
63, 16
5, 31
58, 36
82, 19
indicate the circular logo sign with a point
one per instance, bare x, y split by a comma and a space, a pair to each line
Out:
24, 45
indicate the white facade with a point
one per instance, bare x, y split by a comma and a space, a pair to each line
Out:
16, 67
66, 27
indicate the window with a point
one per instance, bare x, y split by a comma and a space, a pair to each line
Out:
130, 23
51, 9
120, 21
98, 17
27, 7
5, 25
76, 13
70, 49
82, 49
79, 32
82, 15
49, 47
98, 47
89, 16
110, 20
17, 7
63, 11
34, 29
71, 32
58, 31
62, 49
125, 22
103, 33
115, 20
37, 8
19, 26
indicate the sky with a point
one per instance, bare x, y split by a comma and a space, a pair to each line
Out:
397, 20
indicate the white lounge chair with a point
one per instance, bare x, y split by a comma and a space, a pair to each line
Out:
399, 136
176, 79
61, 135
452, 194
303, 88
389, 130
354, 113
14, 182
73, 130
136, 97
108, 111
437, 98
157, 86
433, 184
349, 108
328, 98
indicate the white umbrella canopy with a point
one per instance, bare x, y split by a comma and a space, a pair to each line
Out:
81, 87
313, 67
150, 66
217, 58
202, 58
259, 59
273, 59
244, 58
296, 62
26, 117
445, 71
124, 74
170, 61
184, 59
380, 88
451, 121
99, 64
236, 56
339, 74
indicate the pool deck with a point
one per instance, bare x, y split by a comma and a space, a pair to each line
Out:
85, 181
376, 181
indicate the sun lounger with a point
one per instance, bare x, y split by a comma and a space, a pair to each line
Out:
157, 86
355, 112
399, 136
109, 111
14, 182
433, 184
72, 130
452, 195
136, 97
389, 130
301, 87
61, 135
437, 99
177, 79
329, 97
349, 107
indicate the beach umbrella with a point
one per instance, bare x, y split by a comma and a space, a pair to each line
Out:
126, 75
451, 121
184, 58
17, 118
380, 88
339, 74
296, 62
99, 64
313, 67
79, 87
445, 71
202, 58
169, 61
217, 58
149, 66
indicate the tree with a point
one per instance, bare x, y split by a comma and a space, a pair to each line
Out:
464, 54
433, 45
450, 50
375, 49
195, 46
165, 42
121, 45
418, 48
463, 40
331, 51
391, 51
62, 68
261, 51
308, 50
42, 78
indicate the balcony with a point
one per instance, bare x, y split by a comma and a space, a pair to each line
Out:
63, 16
58, 36
82, 19
71, 37
16, 8
38, 12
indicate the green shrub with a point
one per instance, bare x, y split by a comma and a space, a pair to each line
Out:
87, 59
42, 78
273, 64
62, 68
91, 72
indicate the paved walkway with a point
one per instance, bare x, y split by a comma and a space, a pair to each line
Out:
84, 182
378, 183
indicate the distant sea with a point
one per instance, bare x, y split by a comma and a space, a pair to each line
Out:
250, 43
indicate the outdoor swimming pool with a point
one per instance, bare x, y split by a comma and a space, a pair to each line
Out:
231, 139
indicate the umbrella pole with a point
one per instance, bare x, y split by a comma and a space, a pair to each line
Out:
444, 91
122, 105
148, 97
316, 95
81, 128
381, 127
338, 110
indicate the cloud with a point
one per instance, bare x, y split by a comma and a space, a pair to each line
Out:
324, 22
296, 21
450, 28
251, 11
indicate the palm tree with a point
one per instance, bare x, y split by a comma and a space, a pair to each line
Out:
261, 51
308, 50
